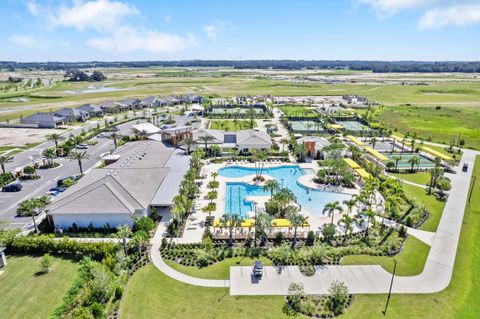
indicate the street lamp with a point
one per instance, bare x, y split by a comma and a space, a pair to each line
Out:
391, 284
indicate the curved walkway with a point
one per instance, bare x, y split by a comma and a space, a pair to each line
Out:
407, 182
158, 261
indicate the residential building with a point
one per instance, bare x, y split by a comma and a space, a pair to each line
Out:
172, 100
72, 115
355, 99
93, 110
131, 103
152, 101
43, 120
109, 107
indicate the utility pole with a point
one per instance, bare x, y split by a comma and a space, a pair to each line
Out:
391, 284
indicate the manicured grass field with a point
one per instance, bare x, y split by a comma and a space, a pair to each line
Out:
219, 270
410, 261
438, 125
151, 294
433, 206
421, 178
24, 293
232, 125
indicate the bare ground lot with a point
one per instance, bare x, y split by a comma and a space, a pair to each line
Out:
21, 137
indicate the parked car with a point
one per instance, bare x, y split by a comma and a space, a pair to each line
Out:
82, 146
465, 167
14, 187
61, 180
53, 193
57, 189
258, 269
102, 135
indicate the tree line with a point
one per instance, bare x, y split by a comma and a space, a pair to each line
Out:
374, 66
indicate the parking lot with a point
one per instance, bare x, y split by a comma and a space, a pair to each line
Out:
49, 177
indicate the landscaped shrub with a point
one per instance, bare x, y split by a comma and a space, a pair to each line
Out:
144, 223
6, 178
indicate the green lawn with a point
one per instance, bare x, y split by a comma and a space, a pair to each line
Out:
421, 178
230, 126
151, 294
410, 261
219, 270
26, 294
433, 206
438, 125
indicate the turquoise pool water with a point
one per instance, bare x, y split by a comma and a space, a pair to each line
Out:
236, 193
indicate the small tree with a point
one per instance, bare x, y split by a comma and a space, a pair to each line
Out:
123, 232
337, 299
296, 293
45, 263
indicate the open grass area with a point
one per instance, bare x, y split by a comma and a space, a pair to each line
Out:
232, 125
28, 294
410, 261
298, 111
421, 178
433, 206
438, 125
151, 294
219, 270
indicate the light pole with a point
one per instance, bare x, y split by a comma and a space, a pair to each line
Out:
255, 228
391, 284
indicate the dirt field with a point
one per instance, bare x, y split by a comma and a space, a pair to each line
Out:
21, 136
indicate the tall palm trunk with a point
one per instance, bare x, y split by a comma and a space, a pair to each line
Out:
80, 166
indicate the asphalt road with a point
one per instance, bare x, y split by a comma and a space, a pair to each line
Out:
49, 177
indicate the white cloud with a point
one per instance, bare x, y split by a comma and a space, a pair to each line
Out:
211, 32
389, 7
23, 40
101, 15
459, 15
32, 7
128, 39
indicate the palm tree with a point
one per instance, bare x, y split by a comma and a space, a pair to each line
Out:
4, 159
435, 173
283, 197
295, 220
123, 232
79, 156
55, 138
331, 208
231, 222
396, 159
140, 239
263, 223
347, 222
414, 160
373, 141
188, 143
370, 213
49, 154
350, 203
214, 175
205, 139
271, 186
114, 136
251, 114
284, 142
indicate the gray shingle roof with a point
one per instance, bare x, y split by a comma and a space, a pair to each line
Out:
44, 117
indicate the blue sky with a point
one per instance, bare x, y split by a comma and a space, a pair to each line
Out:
118, 30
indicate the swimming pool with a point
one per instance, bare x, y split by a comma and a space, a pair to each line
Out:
236, 193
